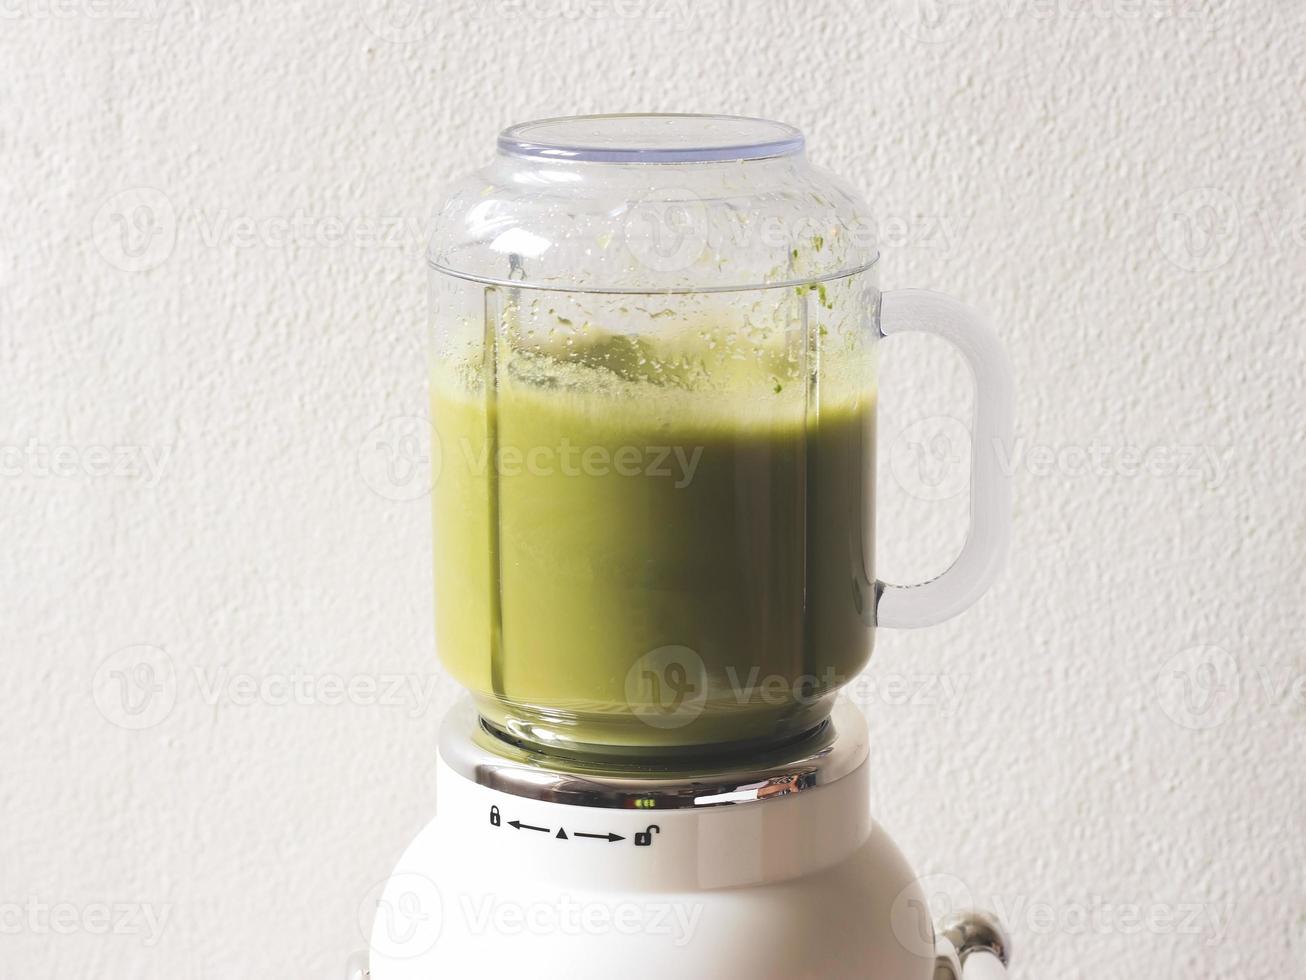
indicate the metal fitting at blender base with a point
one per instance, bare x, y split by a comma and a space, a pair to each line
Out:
824, 756
965, 934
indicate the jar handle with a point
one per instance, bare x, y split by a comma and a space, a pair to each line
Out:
985, 550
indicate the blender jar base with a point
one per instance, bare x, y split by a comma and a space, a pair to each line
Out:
687, 733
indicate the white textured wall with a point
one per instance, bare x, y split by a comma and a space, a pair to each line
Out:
1117, 182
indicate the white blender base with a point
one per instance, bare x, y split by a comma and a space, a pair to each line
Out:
800, 884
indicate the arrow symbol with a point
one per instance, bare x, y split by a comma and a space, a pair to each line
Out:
610, 838
562, 833
518, 825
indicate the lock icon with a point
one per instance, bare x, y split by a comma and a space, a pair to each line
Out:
644, 838
494, 816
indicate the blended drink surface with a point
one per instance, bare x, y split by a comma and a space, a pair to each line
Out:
641, 566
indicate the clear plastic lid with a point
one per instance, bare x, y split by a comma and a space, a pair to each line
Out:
651, 203
663, 138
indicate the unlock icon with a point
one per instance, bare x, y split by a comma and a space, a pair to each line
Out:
643, 838
494, 816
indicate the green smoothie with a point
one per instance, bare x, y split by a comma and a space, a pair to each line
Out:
644, 550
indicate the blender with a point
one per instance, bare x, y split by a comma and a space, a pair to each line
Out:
654, 344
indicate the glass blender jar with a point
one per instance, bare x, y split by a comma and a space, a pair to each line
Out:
653, 377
